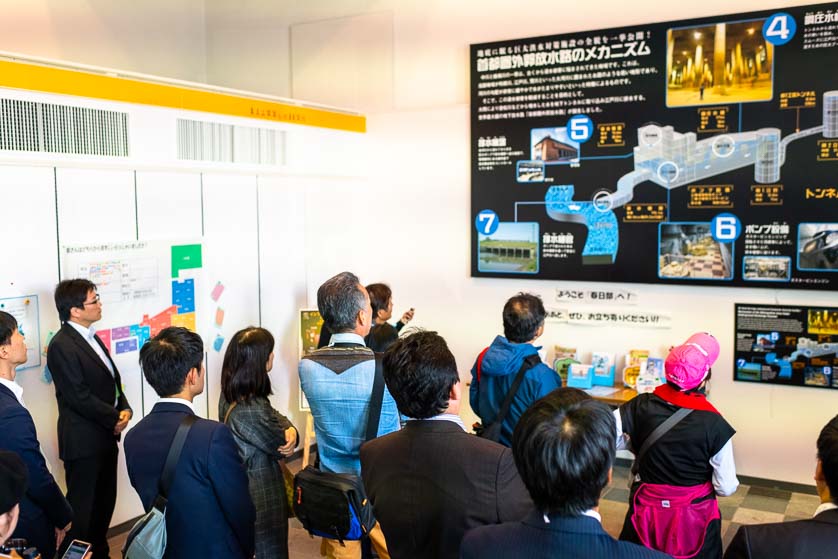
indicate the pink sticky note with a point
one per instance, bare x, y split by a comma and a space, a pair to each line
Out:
217, 291
219, 316
105, 336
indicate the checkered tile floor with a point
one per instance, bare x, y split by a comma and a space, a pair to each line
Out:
710, 266
749, 505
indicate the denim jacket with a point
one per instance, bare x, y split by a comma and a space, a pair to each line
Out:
337, 382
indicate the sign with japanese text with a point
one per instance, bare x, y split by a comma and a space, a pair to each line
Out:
609, 296
610, 317
787, 344
700, 152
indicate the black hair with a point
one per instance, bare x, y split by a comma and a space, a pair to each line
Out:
70, 294
167, 358
828, 455
700, 389
523, 314
564, 452
380, 295
8, 325
244, 372
339, 301
420, 372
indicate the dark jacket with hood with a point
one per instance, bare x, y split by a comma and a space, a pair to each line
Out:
501, 363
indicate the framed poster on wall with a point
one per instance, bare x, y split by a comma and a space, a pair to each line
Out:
310, 324
701, 151
787, 344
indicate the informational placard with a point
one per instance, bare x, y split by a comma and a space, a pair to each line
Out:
25, 310
145, 286
310, 324
787, 344
701, 151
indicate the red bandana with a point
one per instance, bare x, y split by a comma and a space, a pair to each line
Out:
693, 400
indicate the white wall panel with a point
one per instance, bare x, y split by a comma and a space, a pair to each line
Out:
358, 51
169, 208
283, 257
99, 205
30, 266
230, 257
95, 205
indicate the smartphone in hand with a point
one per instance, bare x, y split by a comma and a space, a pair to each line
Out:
77, 550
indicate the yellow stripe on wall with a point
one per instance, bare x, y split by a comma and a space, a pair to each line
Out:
34, 77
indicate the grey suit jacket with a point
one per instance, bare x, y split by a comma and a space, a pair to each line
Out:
432, 481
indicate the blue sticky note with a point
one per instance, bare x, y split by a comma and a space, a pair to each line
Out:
125, 346
218, 343
183, 295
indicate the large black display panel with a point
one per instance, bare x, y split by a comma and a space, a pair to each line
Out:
787, 344
691, 152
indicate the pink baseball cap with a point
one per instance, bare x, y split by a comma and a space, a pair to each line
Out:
687, 364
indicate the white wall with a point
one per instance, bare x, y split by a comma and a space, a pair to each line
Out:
158, 37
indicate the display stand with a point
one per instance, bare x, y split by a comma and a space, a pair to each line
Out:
308, 439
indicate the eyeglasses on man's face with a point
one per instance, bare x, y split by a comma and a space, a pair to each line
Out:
96, 300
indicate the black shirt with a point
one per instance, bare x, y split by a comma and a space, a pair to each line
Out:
682, 456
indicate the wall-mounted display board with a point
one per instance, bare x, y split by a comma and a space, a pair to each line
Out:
701, 151
26, 313
145, 286
787, 344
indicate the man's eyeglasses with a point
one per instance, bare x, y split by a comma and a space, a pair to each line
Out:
96, 300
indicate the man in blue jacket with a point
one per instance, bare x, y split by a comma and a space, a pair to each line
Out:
497, 366
209, 514
45, 514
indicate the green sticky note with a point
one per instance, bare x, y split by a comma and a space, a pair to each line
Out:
185, 257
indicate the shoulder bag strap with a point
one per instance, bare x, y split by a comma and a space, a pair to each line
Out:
173, 458
229, 411
530, 362
376, 400
659, 431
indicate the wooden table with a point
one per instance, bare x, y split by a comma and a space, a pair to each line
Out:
617, 398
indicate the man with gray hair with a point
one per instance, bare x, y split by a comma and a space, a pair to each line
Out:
337, 380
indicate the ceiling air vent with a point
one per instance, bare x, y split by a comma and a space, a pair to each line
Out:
45, 127
225, 143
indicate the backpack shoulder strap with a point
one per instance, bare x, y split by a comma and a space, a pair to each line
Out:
659, 432
480, 362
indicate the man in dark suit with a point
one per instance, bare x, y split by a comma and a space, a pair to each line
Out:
209, 513
92, 412
564, 453
815, 538
432, 481
45, 514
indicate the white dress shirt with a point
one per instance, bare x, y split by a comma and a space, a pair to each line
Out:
16, 389
88, 334
444, 417
186, 403
823, 507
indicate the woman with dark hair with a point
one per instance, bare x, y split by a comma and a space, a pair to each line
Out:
383, 334
264, 436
